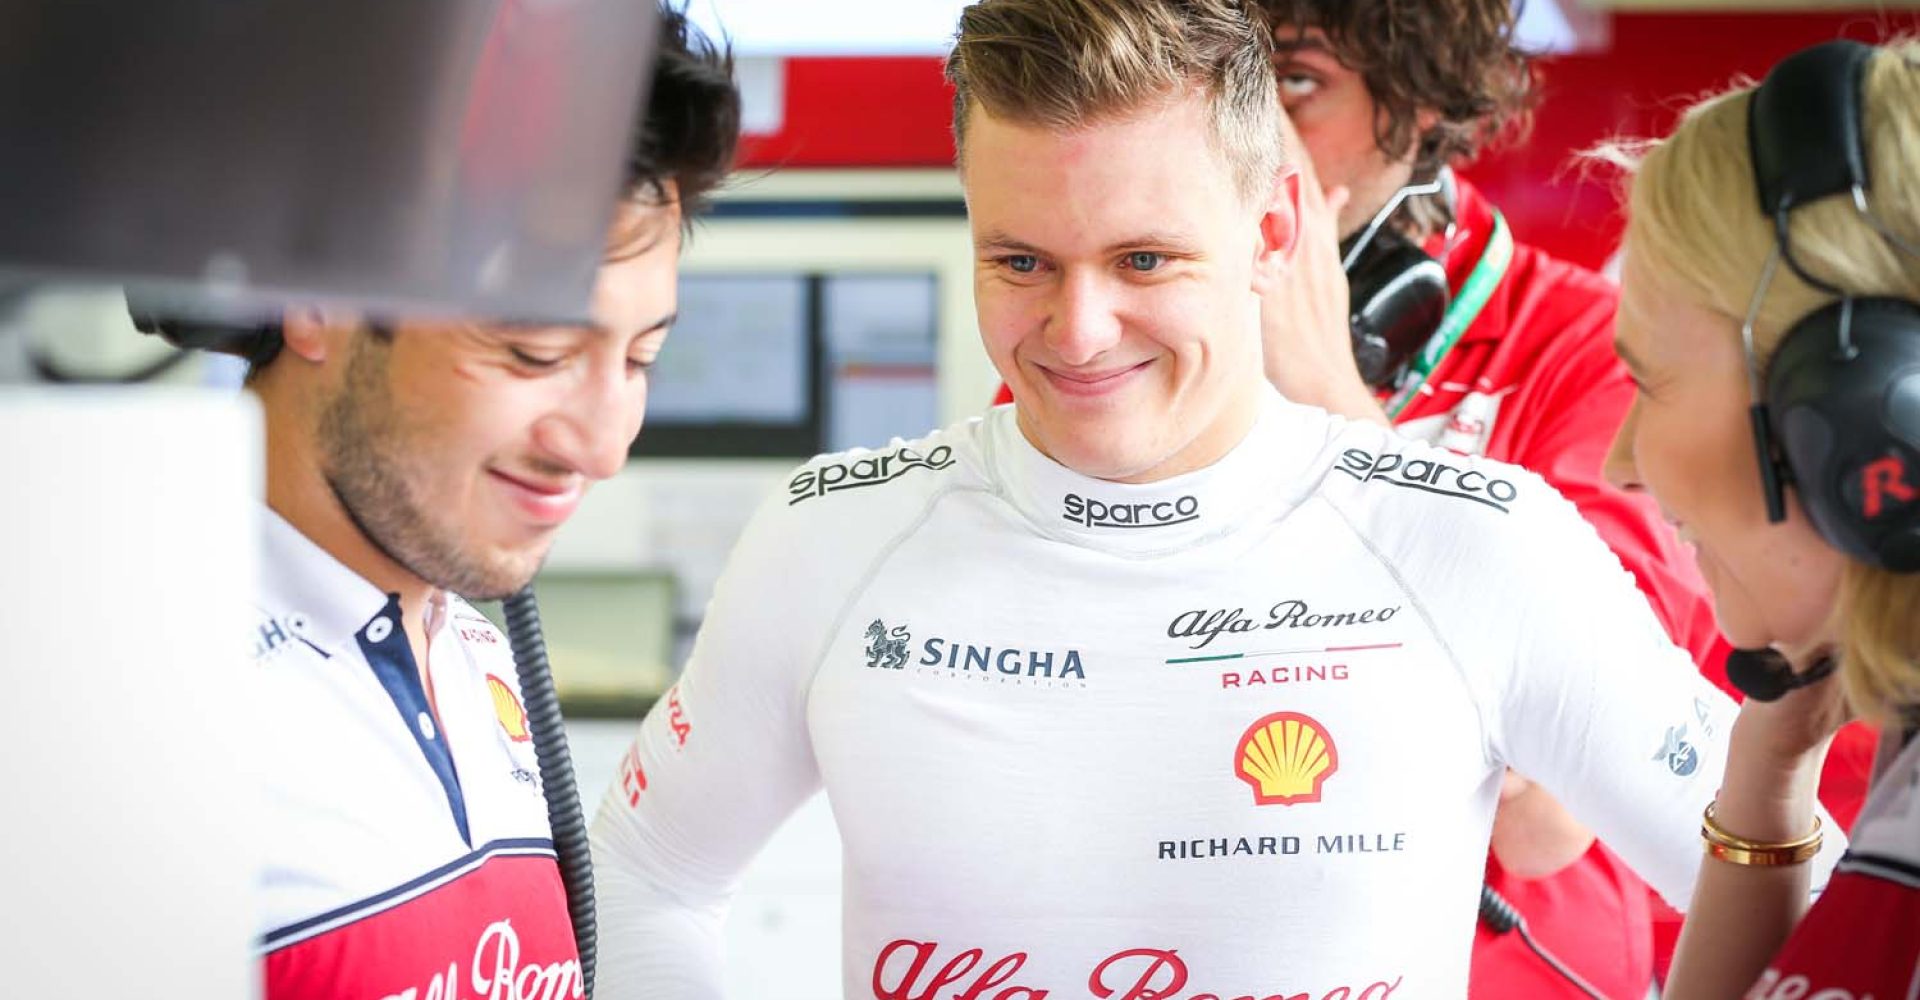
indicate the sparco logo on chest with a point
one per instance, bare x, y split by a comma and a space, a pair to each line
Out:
1098, 514
1206, 625
1429, 476
873, 470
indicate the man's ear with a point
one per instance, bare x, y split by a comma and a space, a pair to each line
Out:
314, 334
1279, 229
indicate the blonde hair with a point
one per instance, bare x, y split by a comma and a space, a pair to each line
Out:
1067, 64
1694, 209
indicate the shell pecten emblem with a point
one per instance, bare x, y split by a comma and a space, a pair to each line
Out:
1285, 757
513, 716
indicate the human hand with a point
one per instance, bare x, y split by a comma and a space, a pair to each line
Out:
1775, 754
1304, 314
1800, 723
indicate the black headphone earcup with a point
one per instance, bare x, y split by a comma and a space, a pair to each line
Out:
257, 344
1397, 296
1843, 395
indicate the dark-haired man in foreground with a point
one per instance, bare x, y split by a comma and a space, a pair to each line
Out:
411, 464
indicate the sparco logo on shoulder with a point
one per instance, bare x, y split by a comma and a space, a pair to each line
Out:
1097, 514
870, 471
1429, 476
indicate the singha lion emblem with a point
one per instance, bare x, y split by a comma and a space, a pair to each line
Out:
887, 649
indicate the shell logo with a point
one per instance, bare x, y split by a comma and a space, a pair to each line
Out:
506, 705
1285, 757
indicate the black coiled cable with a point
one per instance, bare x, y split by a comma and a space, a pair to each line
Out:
1500, 917
564, 814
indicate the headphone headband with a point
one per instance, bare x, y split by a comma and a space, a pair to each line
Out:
1804, 127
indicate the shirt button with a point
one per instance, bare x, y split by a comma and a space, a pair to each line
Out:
379, 630
426, 725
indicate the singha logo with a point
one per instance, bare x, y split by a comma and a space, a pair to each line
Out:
886, 649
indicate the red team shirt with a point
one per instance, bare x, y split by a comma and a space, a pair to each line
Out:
1861, 940
1534, 381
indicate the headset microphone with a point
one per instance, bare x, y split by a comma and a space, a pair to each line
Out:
1774, 473
1765, 675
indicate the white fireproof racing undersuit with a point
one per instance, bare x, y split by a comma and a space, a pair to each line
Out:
1235, 734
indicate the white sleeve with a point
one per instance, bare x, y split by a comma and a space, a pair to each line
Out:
1607, 713
1582, 690
718, 765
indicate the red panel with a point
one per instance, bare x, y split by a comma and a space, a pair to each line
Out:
499, 929
894, 112
1658, 64
870, 112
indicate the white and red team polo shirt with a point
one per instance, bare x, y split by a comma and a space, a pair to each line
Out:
1861, 941
408, 857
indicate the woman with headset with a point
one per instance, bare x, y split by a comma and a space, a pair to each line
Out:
1771, 318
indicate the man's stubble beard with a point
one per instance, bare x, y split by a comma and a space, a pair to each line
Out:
365, 455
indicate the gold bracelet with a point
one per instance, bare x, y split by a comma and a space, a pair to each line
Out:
1740, 851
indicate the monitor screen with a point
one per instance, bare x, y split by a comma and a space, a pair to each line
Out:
793, 364
737, 354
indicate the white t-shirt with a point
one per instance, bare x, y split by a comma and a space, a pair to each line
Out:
1239, 733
